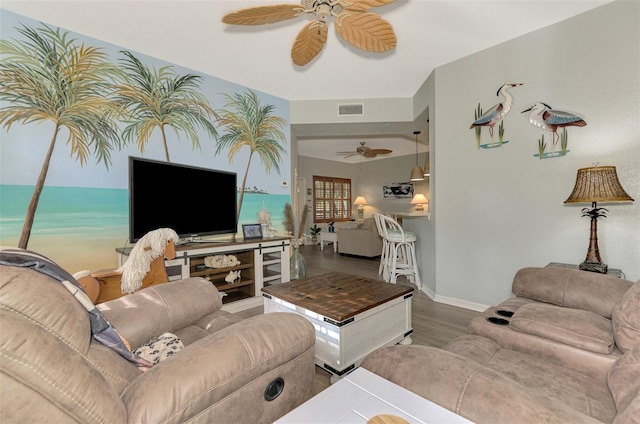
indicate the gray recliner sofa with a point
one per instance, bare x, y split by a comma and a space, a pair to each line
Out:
230, 371
569, 353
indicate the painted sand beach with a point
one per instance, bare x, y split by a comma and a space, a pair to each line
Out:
80, 228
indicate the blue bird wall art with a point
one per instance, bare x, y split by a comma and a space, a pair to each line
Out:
492, 116
545, 117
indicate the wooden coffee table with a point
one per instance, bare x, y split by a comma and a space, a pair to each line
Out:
353, 316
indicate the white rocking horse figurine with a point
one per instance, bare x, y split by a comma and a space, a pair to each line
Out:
144, 267
152, 247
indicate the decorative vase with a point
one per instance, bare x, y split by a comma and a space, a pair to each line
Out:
298, 266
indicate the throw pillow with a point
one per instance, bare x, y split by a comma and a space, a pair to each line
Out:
160, 348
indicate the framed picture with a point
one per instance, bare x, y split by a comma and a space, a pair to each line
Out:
398, 190
251, 231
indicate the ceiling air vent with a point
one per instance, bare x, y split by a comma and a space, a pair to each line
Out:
351, 109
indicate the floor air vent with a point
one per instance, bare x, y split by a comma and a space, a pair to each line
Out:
351, 109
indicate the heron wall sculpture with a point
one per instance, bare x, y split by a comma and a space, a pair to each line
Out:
545, 117
491, 117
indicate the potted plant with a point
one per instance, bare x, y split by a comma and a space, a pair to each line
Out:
330, 227
315, 230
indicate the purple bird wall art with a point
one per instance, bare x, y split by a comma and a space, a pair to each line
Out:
548, 119
494, 115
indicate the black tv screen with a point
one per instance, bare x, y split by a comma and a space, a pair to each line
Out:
193, 201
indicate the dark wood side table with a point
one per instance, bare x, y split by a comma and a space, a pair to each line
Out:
612, 271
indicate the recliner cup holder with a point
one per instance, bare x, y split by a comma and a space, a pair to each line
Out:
274, 389
498, 321
504, 313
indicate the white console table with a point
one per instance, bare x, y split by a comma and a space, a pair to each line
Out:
263, 262
362, 395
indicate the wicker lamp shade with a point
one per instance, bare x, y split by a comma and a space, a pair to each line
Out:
598, 184
427, 172
417, 174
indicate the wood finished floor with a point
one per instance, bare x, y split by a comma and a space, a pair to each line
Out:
434, 324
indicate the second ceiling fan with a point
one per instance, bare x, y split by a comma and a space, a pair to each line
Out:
366, 151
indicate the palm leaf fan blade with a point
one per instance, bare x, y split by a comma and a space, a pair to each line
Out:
308, 44
263, 14
367, 31
362, 5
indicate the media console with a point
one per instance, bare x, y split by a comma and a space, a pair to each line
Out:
263, 262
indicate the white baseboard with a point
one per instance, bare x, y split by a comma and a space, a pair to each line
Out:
429, 292
453, 301
460, 303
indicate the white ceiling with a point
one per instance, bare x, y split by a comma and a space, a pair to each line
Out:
430, 33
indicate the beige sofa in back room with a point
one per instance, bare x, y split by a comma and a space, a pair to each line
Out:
362, 240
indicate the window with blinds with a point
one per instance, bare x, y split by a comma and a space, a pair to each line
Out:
331, 199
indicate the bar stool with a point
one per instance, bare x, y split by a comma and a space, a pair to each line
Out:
384, 255
401, 252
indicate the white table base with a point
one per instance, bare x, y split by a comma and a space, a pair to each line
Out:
328, 237
360, 396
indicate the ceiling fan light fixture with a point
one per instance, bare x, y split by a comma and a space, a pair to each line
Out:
366, 151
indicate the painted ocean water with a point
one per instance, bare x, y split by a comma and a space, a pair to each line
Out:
80, 228
64, 210
97, 212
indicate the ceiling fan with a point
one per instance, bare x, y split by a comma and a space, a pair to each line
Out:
363, 29
366, 151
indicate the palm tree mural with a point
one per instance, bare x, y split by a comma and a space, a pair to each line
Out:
160, 98
252, 125
47, 76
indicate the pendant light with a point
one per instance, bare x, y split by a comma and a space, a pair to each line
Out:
417, 174
427, 173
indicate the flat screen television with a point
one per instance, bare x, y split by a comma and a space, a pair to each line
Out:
193, 201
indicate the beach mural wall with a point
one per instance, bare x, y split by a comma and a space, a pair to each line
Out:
69, 128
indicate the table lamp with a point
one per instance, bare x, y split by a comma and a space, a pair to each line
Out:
360, 202
593, 185
419, 200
